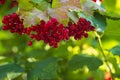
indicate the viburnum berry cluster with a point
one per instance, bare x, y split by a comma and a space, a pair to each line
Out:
80, 29
13, 23
51, 32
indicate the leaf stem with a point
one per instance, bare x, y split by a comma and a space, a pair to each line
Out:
102, 51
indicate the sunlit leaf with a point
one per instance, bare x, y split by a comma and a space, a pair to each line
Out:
25, 5
71, 3
59, 13
88, 6
113, 60
73, 16
41, 4
33, 17
61, 8
36, 1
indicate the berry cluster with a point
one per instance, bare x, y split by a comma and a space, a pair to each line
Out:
80, 29
51, 32
2, 1
13, 23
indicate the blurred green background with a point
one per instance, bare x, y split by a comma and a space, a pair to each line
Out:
14, 49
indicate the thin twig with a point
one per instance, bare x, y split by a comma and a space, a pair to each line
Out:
102, 51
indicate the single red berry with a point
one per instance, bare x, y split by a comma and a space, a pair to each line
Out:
30, 43
86, 35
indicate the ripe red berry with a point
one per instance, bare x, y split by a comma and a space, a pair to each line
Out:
2, 1
30, 43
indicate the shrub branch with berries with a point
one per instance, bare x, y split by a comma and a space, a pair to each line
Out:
51, 22
54, 21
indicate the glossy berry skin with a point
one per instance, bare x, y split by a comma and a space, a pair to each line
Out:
13, 23
30, 43
51, 32
2, 1
80, 29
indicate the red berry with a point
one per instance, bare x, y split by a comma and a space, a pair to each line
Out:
2, 1
30, 43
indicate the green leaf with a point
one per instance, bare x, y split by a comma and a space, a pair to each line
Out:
71, 4
12, 10
89, 18
88, 7
34, 17
112, 17
10, 71
41, 4
55, 3
60, 14
79, 61
116, 50
46, 69
62, 7
116, 75
115, 65
25, 5
99, 21
73, 16
36, 1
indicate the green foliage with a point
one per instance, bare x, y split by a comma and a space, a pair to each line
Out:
79, 61
99, 21
37, 1
10, 71
112, 17
116, 50
55, 3
41, 4
46, 69
25, 5
67, 62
